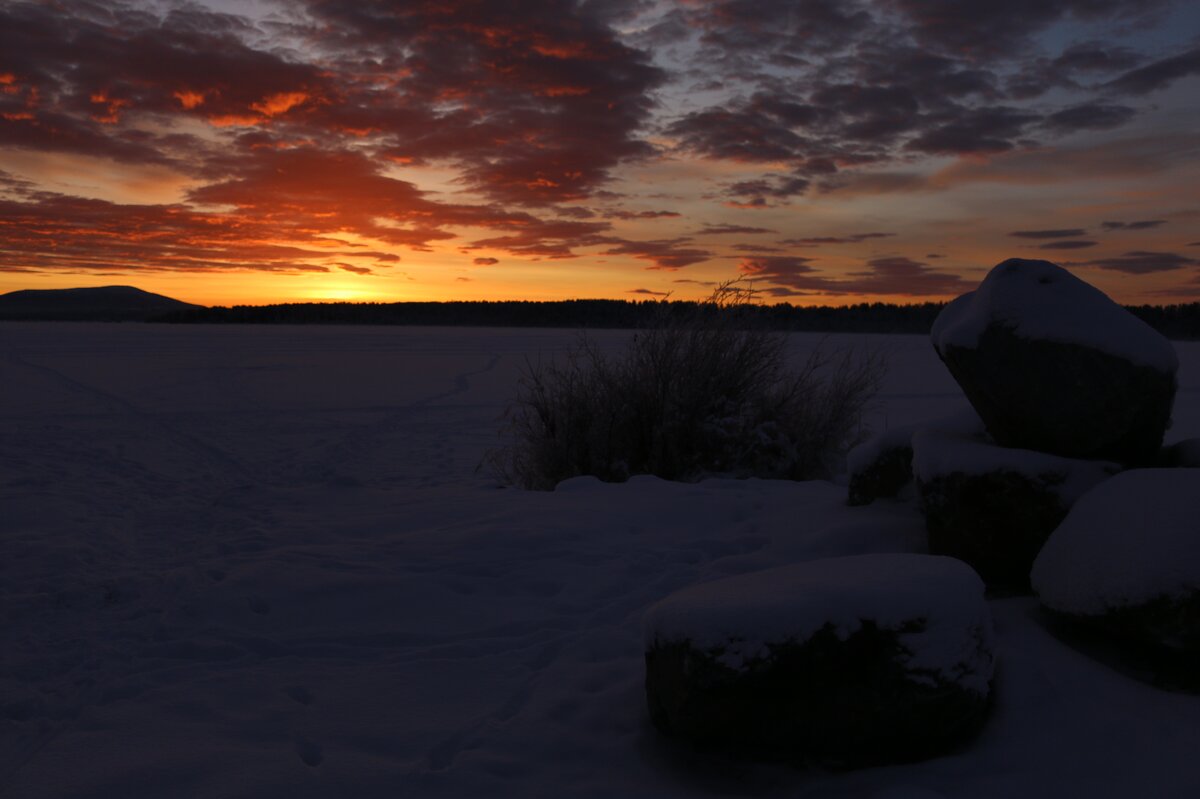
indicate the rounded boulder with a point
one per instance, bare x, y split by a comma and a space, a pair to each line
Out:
845, 662
1052, 364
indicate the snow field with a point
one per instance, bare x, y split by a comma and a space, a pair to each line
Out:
259, 562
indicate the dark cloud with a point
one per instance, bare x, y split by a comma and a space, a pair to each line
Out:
756, 248
1158, 75
358, 270
667, 254
904, 276
1142, 263
1146, 224
784, 269
777, 187
719, 230
649, 292
618, 214
873, 83
893, 275
1096, 56
1048, 234
816, 241
486, 261
79, 76
990, 28
809, 26
546, 239
1072, 244
1140, 157
984, 130
535, 106
536, 101
739, 134
1088, 116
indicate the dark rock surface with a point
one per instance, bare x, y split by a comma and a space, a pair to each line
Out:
994, 507
1064, 399
1051, 364
996, 522
1126, 561
883, 476
839, 703
846, 662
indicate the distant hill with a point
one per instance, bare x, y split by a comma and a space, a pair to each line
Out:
105, 303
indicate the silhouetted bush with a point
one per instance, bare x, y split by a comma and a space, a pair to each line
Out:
703, 391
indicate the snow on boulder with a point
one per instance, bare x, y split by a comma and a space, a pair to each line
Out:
846, 662
881, 466
1127, 559
1052, 364
995, 506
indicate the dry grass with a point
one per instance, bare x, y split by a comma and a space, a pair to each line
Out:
699, 393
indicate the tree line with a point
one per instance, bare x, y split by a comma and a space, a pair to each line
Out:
1181, 321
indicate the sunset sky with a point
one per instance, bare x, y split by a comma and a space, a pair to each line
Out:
253, 151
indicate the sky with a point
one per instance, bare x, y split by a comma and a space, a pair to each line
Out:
829, 151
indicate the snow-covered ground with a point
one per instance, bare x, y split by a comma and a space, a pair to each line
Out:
261, 562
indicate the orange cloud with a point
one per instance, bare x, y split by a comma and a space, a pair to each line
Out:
189, 99
112, 107
275, 104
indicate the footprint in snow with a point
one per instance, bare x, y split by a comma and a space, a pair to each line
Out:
300, 694
309, 752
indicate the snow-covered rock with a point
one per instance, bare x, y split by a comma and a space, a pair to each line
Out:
881, 466
1127, 559
995, 506
1052, 364
847, 661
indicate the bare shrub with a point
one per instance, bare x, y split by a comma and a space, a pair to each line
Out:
701, 392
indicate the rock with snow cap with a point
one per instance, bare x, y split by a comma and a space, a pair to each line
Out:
881, 466
994, 507
1126, 560
846, 662
1052, 364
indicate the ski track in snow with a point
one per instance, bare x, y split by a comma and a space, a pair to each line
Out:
261, 562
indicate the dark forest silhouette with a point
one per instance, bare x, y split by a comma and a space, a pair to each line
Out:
1181, 321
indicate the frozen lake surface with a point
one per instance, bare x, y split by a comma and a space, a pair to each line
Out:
261, 561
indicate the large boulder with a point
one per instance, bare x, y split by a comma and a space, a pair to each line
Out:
994, 507
1126, 560
1052, 364
844, 662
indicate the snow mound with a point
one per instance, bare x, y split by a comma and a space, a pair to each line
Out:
1039, 300
937, 453
1134, 540
936, 605
965, 421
